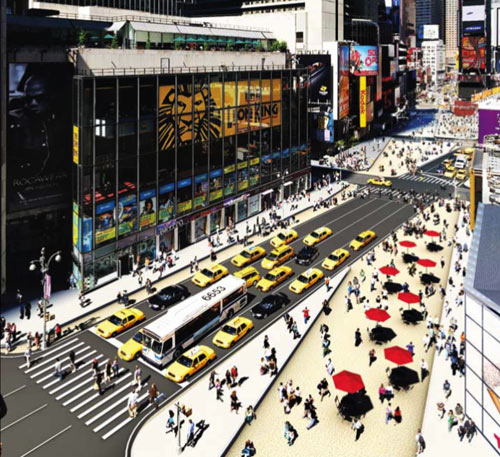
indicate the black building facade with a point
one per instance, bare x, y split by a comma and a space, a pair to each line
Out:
163, 161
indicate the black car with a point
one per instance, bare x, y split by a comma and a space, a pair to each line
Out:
168, 296
307, 255
269, 305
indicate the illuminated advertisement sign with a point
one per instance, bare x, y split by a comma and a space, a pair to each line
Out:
378, 91
473, 13
76, 147
105, 224
364, 60
473, 28
320, 76
343, 81
473, 52
249, 106
362, 102
489, 126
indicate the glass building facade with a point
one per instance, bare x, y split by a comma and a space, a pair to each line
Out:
163, 161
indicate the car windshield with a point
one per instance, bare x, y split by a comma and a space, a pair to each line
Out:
207, 272
359, 238
333, 257
303, 279
315, 234
245, 254
115, 320
138, 337
165, 294
306, 251
186, 361
282, 236
266, 304
228, 329
270, 277
272, 256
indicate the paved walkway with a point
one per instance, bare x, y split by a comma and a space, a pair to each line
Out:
222, 425
434, 429
65, 304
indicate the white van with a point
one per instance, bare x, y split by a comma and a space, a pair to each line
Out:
461, 162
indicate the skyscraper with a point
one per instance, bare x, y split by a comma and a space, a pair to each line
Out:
451, 32
430, 12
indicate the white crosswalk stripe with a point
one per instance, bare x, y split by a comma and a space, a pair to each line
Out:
65, 367
75, 378
36, 366
121, 425
94, 407
59, 346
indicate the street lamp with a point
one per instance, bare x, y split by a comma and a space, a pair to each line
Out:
46, 285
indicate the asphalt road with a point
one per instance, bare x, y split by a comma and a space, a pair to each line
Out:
47, 417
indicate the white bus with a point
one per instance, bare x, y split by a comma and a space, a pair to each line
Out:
167, 337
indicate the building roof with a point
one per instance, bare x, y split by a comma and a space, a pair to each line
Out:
56, 23
483, 269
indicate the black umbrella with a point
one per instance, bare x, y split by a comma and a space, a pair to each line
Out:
409, 258
433, 247
382, 334
393, 287
412, 316
354, 405
427, 278
403, 377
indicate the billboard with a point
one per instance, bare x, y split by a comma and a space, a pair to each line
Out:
39, 135
473, 28
320, 76
364, 60
489, 125
343, 81
473, 13
249, 106
324, 127
362, 101
473, 52
428, 32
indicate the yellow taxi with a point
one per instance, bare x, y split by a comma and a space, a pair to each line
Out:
450, 172
232, 332
132, 348
274, 278
336, 258
317, 236
467, 151
362, 240
462, 174
284, 237
448, 163
306, 280
277, 256
250, 275
248, 256
189, 363
119, 322
380, 182
209, 275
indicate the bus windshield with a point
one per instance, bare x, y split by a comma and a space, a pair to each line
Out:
152, 344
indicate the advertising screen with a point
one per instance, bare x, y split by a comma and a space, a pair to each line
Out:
105, 225
428, 32
127, 215
320, 76
473, 52
148, 208
364, 60
166, 202
343, 81
247, 108
473, 13
473, 28
489, 125
39, 135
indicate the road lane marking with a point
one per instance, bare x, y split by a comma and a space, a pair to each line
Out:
65, 367
49, 352
24, 417
37, 366
122, 424
93, 397
14, 391
47, 440
74, 378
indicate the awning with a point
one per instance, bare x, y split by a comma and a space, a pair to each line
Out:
150, 27
116, 26
288, 183
267, 192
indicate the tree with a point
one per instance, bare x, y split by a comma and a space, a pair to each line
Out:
114, 42
282, 46
260, 46
148, 43
274, 46
82, 38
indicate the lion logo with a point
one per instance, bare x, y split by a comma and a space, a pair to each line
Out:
197, 118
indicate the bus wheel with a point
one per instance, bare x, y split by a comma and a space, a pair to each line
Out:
230, 313
177, 353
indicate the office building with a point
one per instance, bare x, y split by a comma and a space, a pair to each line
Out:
433, 57
451, 32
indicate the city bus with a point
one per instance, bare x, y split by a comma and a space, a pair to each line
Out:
167, 337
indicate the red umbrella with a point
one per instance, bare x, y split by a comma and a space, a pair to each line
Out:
408, 297
407, 244
376, 314
348, 382
431, 233
389, 271
398, 355
426, 263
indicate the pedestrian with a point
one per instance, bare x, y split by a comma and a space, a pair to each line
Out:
149, 286
452, 421
219, 392
58, 369
323, 389
305, 313
115, 367
235, 402
419, 438
190, 434
397, 415
388, 413
153, 396
37, 341
29, 338
313, 416
171, 423
348, 303
211, 380
442, 262
58, 331
108, 370
357, 338
229, 379
441, 409
372, 357
250, 415
137, 376
471, 431
424, 370
329, 367
132, 400
358, 427
327, 283
72, 362
446, 389
27, 310
266, 342
19, 299
234, 375
27, 356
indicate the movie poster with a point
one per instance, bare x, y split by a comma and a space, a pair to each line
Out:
166, 203
364, 60
127, 214
39, 135
105, 224
320, 76
343, 81
147, 208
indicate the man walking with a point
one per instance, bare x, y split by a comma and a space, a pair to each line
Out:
27, 356
190, 433
357, 338
58, 369
19, 300
72, 363
358, 427
420, 442
132, 403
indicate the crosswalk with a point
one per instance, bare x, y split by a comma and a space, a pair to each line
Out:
392, 194
426, 179
104, 413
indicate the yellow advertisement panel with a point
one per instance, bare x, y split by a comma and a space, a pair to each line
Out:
245, 106
362, 101
76, 151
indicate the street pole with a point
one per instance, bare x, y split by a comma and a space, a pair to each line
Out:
179, 447
44, 269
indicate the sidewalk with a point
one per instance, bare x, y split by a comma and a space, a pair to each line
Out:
224, 426
434, 429
65, 304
